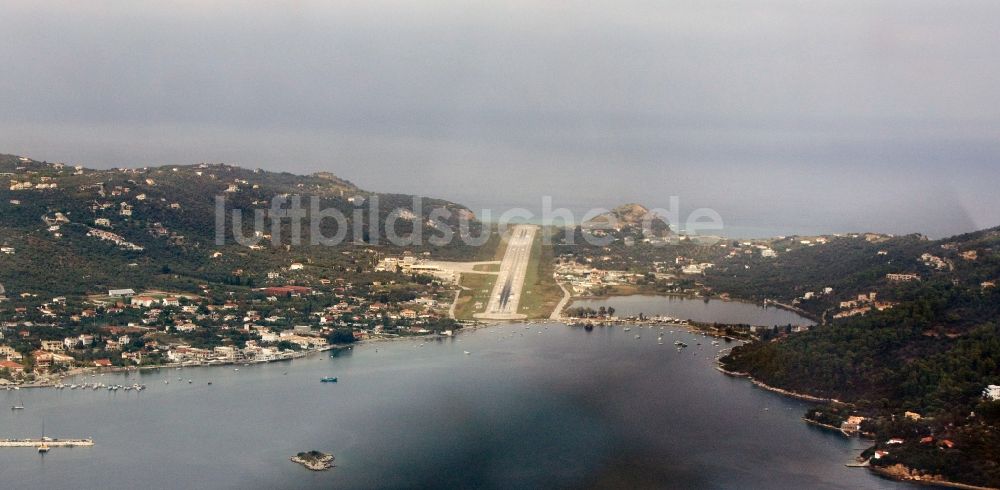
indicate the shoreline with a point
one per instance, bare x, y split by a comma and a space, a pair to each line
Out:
907, 477
93, 370
895, 475
780, 391
901, 473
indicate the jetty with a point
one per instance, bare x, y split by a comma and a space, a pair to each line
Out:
46, 441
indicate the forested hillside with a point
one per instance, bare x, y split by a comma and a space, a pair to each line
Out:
73, 230
931, 351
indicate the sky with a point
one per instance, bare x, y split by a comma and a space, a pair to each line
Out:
782, 116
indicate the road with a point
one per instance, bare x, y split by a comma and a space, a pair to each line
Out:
557, 313
506, 294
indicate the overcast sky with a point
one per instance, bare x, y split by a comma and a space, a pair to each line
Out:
782, 116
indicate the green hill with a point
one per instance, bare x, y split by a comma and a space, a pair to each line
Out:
156, 226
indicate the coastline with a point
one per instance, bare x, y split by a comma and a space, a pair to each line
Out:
781, 391
909, 476
902, 473
896, 472
642, 292
92, 370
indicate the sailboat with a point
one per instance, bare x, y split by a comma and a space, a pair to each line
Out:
20, 403
43, 448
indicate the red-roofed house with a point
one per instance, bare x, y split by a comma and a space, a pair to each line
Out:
12, 366
287, 290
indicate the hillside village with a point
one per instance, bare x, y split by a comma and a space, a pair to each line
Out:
117, 268
124, 328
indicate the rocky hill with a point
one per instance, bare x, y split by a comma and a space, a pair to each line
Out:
633, 216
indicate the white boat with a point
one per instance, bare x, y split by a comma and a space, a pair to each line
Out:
43, 448
467, 352
20, 403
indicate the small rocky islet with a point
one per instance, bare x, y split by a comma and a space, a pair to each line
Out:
314, 460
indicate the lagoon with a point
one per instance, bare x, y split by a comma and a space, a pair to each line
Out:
683, 308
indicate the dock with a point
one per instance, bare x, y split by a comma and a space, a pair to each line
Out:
47, 441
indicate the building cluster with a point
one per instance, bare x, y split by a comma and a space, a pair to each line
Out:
584, 280
268, 323
861, 305
114, 238
411, 264
902, 277
934, 261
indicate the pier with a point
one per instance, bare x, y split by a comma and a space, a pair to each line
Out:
48, 442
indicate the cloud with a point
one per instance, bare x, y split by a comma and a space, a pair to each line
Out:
753, 108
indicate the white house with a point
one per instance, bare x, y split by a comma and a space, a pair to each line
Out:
144, 301
992, 392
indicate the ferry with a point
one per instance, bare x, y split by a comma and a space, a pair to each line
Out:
329, 380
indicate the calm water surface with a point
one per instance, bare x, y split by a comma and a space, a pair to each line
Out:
696, 309
543, 406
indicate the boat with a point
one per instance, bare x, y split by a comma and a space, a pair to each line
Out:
43, 448
20, 403
467, 352
329, 379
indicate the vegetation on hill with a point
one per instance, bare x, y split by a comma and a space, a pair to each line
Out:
932, 353
630, 216
156, 226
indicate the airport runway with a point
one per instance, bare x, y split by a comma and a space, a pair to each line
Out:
506, 294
